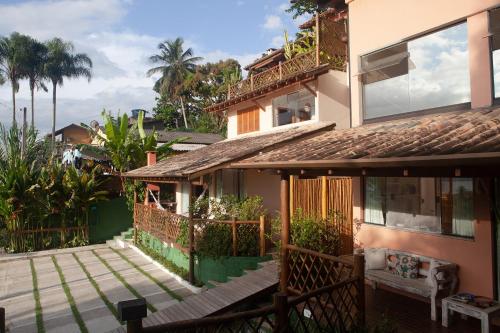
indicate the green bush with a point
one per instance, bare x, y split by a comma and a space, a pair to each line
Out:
310, 232
214, 240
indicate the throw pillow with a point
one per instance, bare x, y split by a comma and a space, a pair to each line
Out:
375, 258
407, 266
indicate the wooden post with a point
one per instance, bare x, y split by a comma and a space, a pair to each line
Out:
359, 272
228, 91
251, 81
135, 217
280, 70
191, 238
262, 230
132, 312
235, 237
285, 229
2, 320
280, 303
292, 195
317, 40
324, 197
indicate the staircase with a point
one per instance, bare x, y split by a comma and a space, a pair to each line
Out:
122, 239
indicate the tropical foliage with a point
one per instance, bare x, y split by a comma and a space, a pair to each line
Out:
186, 87
42, 205
303, 7
23, 57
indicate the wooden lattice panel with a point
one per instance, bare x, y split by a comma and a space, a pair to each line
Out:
298, 64
159, 223
331, 46
267, 77
332, 309
309, 270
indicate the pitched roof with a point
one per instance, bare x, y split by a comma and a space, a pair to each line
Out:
216, 155
191, 137
440, 137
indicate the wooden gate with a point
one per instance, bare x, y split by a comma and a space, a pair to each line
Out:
321, 197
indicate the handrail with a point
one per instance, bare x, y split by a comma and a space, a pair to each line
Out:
341, 260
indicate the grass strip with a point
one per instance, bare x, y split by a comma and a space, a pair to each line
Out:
69, 296
152, 278
105, 299
122, 280
38, 304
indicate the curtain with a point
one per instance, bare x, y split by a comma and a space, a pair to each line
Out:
374, 200
463, 207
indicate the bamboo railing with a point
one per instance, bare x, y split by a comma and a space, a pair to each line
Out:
23, 240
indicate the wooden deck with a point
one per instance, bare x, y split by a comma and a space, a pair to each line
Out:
219, 299
413, 316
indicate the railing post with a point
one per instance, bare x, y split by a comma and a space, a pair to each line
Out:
2, 320
262, 234
235, 237
359, 273
280, 302
191, 238
280, 70
317, 40
132, 311
228, 91
285, 229
324, 197
251, 81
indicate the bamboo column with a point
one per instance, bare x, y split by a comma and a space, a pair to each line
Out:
293, 203
235, 237
285, 229
317, 40
324, 197
262, 235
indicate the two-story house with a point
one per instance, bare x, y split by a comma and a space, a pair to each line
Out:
424, 147
285, 96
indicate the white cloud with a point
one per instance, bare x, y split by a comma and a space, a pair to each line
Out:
273, 22
240, 3
277, 41
283, 7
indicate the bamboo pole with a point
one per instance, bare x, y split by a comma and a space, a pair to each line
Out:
280, 303
235, 237
251, 81
262, 230
293, 201
324, 197
317, 40
285, 229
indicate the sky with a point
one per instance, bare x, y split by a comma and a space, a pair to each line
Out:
120, 35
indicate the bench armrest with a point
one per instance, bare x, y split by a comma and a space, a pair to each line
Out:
444, 277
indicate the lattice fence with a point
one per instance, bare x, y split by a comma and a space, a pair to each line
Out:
158, 223
332, 49
309, 270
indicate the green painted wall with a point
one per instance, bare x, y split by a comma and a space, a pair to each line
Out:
206, 269
108, 219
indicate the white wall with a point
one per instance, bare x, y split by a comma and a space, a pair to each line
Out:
331, 104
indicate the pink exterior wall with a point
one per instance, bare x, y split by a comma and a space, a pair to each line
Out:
474, 257
265, 185
375, 24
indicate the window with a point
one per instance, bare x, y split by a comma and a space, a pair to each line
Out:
427, 72
495, 49
436, 205
248, 120
293, 108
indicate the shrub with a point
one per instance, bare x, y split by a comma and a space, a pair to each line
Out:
310, 232
214, 240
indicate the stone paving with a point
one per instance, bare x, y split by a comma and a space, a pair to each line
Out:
16, 289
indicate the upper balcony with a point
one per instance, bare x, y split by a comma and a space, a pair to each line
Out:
325, 50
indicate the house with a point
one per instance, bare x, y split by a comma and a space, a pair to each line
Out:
423, 151
282, 99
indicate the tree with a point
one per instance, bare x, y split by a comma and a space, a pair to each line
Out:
61, 63
301, 7
11, 58
35, 54
175, 66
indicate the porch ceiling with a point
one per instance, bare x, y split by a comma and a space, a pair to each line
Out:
443, 141
204, 160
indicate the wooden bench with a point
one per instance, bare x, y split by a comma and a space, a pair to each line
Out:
441, 283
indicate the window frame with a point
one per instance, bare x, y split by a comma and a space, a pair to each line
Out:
433, 233
313, 112
495, 100
439, 109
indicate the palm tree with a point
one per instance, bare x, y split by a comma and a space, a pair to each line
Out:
11, 58
175, 66
33, 70
61, 63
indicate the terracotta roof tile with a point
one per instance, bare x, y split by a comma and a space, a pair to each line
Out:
222, 152
443, 134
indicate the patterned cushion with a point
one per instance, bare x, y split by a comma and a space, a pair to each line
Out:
406, 266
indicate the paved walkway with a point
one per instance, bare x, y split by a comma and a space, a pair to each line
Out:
77, 290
